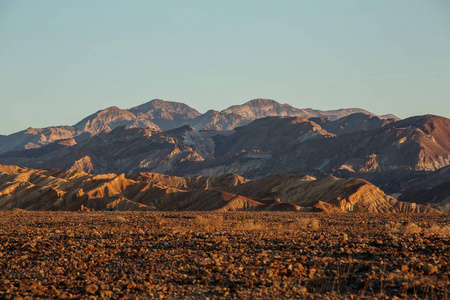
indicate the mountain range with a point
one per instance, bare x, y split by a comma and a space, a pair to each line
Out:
256, 140
164, 115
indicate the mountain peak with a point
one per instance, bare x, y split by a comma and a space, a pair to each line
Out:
109, 109
169, 106
260, 108
423, 122
261, 102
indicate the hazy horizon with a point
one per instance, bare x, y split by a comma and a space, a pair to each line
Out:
61, 61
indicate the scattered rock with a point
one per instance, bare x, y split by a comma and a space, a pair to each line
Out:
175, 258
91, 289
430, 269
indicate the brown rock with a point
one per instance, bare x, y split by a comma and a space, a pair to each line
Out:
91, 289
429, 269
105, 294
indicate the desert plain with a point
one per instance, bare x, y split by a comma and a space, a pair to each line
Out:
233, 255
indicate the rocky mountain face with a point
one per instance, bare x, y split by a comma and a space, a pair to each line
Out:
165, 115
180, 151
35, 138
105, 120
385, 156
32, 189
115, 151
352, 123
407, 145
261, 108
109, 119
240, 115
269, 135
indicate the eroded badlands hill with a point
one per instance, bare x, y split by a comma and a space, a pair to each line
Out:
55, 189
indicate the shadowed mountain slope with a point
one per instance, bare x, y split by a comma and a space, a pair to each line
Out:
437, 196
432, 189
352, 123
269, 135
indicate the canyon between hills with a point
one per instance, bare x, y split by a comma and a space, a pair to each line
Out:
260, 200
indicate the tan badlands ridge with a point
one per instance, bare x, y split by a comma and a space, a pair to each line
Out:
72, 190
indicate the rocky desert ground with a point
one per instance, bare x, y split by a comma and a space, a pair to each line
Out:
248, 255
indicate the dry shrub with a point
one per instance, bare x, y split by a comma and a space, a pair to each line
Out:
202, 221
303, 223
392, 227
412, 228
218, 220
307, 223
121, 219
219, 239
160, 221
436, 230
315, 224
213, 223
445, 230
249, 225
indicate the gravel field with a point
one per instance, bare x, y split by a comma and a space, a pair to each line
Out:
238, 255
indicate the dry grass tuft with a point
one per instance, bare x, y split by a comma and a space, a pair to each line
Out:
210, 223
308, 224
315, 224
249, 225
201, 221
445, 230
303, 223
437, 230
392, 227
412, 228
121, 219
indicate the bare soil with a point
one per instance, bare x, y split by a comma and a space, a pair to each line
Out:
182, 255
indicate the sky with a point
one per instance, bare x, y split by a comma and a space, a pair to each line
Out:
61, 61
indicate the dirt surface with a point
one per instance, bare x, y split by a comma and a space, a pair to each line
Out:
223, 255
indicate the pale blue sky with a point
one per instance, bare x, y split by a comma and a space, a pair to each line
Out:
63, 60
